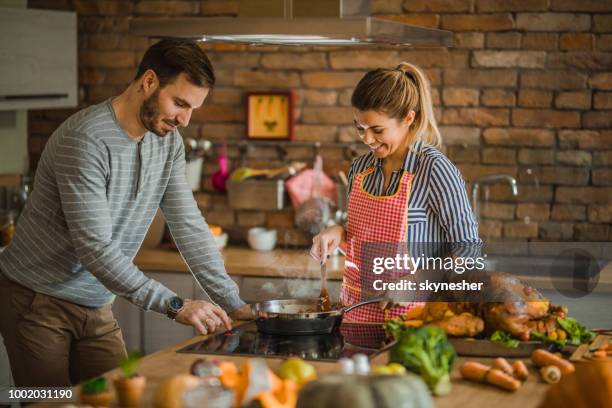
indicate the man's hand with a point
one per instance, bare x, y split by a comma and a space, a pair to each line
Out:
244, 313
204, 316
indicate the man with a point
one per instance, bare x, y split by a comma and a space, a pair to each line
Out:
99, 182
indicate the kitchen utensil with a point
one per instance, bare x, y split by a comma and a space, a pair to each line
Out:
244, 173
193, 173
300, 316
220, 176
300, 186
324, 304
315, 213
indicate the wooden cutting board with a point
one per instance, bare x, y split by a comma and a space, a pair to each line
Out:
488, 348
584, 352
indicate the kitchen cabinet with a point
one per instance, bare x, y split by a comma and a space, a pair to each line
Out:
39, 59
152, 331
6, 379
159, 330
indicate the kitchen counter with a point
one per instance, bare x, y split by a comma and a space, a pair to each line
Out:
240, 261
159, 366
293, 263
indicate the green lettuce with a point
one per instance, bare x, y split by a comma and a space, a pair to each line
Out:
505, 339
576, 333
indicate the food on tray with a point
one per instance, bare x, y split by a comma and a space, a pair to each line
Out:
471, 370
424, 351
523, 314
504, 338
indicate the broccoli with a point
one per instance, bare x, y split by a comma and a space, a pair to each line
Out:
426, 352
505, 339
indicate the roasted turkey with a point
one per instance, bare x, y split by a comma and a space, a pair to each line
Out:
511, 306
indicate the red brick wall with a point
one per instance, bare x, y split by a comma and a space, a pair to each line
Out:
526, 91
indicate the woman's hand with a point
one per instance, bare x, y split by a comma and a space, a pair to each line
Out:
326, 242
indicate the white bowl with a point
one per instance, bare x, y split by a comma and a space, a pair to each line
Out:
221, 240
261, 239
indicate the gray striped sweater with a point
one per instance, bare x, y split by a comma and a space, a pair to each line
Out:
95, 194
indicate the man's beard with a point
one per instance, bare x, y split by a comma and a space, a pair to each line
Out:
149, 115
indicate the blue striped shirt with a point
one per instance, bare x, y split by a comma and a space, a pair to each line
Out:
438, 207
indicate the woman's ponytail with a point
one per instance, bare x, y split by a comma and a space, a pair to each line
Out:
424, 125
396, 92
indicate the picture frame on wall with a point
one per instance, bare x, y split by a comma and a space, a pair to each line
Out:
270, 115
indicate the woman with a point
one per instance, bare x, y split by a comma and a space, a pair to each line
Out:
404, 189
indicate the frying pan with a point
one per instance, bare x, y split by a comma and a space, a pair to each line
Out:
299, 316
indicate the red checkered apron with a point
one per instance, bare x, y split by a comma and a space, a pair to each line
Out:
372, 219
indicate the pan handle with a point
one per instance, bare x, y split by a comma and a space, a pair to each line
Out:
362, 303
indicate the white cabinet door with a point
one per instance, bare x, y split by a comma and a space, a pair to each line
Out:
128, 317
160, 331
38, 50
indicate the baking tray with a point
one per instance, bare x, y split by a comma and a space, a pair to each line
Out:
487, 348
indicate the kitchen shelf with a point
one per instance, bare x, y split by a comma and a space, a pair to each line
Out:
351, 149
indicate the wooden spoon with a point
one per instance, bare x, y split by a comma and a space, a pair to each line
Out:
324, 304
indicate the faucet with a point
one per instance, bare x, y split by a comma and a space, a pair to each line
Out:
490, 179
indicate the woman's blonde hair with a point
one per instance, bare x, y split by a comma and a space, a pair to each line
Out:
395, 92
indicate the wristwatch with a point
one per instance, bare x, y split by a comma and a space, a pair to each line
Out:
174, 306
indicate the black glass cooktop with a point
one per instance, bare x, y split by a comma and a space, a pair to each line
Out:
349, 339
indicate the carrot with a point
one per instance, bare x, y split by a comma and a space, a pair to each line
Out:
502, 380
479, 372
472, 370
503, 365
520, 370
543, 358
600, 354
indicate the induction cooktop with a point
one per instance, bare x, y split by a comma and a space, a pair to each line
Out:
245, 340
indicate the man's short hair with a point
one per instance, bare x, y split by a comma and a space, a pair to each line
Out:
170, 57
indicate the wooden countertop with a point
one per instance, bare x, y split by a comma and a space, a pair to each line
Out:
160, 365
293, 263
280, 263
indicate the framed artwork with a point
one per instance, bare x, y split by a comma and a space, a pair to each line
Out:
270, 115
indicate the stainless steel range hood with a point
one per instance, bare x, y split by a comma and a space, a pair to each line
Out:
294, 22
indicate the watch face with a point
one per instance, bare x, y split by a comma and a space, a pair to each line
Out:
176, 303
